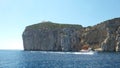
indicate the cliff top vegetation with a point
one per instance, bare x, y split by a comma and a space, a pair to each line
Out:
51, 25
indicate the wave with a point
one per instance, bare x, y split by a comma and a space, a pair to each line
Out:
85, 53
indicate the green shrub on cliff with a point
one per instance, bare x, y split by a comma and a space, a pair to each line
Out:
51, 25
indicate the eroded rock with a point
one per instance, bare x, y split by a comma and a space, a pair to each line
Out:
48, 36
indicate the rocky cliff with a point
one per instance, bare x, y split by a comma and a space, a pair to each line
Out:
48, 36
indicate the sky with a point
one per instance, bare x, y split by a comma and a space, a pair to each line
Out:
15, 15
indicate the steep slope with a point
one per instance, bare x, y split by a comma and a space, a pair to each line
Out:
48, 36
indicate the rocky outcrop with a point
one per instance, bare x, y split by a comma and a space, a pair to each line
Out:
52, 37
48, 36
111, 43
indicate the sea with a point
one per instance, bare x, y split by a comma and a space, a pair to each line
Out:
44, 59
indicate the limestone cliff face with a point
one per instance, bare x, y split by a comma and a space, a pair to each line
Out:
47, 36
52, 37
111, 42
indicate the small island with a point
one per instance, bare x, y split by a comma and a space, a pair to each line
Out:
49, 36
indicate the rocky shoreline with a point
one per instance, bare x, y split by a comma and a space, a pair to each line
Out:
48, 36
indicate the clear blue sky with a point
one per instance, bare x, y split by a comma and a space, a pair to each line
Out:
15, 15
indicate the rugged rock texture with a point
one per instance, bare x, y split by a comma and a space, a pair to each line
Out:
111, 43
52, 37
48, 36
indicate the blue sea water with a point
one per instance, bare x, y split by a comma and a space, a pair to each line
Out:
39, 59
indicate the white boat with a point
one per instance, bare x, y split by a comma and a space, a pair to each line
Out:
89, 51
86, 52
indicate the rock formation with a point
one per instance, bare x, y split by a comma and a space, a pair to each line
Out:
48, 36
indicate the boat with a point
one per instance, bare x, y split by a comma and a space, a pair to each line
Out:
86, 50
